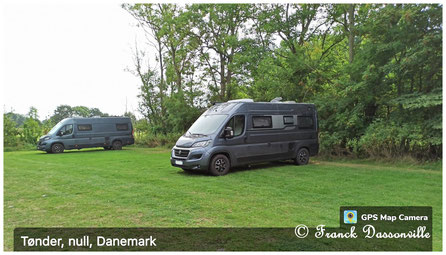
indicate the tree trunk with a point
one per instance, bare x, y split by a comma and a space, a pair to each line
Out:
351, 35
178, 79
160, 53
222, 77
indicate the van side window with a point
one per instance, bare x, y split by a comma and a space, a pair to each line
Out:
262, 122
122, 127
237, 123
66, 130
288, 120
305, 122
84, 127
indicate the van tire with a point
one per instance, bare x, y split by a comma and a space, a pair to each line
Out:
117, 145
220, 165
57, 148
107, 148
303, 156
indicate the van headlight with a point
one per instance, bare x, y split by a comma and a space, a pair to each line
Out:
47, 138
202, 143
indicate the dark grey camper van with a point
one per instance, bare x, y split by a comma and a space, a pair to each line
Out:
241, 132
78, 133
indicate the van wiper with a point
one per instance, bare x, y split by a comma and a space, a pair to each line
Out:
197, 134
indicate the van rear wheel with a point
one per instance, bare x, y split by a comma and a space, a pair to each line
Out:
117, 145
57, 148
219, 165
303, 156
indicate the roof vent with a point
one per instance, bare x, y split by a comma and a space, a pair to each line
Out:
276, 100
245, 100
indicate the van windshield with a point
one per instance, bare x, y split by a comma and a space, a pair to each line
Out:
206, 124
55, 128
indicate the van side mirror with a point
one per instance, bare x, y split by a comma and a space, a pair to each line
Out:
228, 133
59, 133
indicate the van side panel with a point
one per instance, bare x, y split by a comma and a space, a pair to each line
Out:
102, 134
279, 135
279, 142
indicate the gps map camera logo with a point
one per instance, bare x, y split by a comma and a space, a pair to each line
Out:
350, 216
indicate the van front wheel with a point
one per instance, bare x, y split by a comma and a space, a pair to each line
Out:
219, 165
117, 145
57, 148
303, 156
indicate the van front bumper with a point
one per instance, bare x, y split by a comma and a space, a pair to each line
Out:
43, 146
197, 159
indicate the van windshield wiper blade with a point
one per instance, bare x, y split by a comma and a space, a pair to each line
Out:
197, 134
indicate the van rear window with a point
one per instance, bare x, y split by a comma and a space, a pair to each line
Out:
305, 122
262, 122
84, 127
122, 127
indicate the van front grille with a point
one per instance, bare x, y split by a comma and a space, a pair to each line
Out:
181, 153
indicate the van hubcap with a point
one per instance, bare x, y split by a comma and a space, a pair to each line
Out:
303, 156
220, 165
57, 148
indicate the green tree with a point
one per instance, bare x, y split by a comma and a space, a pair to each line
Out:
65, 111
374, 71
19, 119
33, 113
173, 84
31, 127
10, 132
61, 112
219, 27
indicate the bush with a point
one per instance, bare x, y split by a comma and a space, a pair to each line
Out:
389, 139
31, 131
147, 139
11, 133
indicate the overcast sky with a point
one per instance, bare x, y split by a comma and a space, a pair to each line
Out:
69, 53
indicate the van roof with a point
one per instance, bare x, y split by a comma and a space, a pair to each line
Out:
95, 118
248, 105
251, 101
100, 119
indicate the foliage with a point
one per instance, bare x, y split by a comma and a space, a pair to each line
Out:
18, 119
374, 71
31, 131
146, 135
65, 111
10, 132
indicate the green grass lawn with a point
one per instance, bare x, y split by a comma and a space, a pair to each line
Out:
137, 187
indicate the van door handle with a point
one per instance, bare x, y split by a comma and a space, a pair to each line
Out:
245, 139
